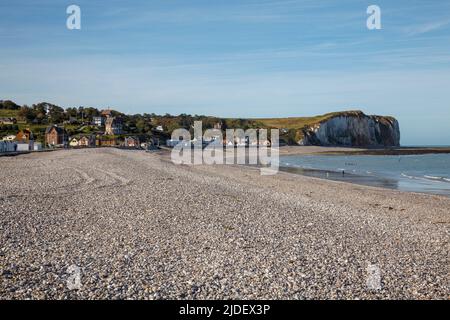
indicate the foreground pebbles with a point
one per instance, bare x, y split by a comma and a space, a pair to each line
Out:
116, 224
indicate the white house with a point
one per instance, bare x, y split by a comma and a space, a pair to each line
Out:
9, 138
172, 143
74, 142
265, 143
99, 121
25, 146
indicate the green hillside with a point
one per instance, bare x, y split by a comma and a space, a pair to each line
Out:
5, 113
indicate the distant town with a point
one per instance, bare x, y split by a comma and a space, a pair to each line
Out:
47, 126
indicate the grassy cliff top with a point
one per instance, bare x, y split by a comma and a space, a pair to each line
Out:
302, 122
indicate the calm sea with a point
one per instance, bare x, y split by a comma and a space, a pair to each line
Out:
419, 173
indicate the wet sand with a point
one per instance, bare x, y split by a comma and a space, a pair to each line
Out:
299, 150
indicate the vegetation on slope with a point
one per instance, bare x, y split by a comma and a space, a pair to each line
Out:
79, 121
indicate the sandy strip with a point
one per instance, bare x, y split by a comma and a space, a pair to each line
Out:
303, 150
299, 150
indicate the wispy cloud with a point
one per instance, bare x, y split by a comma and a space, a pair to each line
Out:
426, 27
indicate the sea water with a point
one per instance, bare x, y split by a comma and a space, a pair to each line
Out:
418, 173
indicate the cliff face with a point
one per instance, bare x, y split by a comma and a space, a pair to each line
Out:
353, 128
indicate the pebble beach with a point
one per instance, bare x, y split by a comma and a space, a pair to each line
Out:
138, 226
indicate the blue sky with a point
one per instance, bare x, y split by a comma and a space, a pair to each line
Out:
232, 58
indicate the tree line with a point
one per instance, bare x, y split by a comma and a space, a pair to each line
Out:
45, 113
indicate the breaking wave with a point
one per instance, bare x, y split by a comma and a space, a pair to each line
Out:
445, 179
426, 177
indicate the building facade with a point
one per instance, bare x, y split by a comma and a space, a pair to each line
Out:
24, 136
8, 121
87, 141
74, 142
102, 141
55, 136
131, 142
98, 121
113, 126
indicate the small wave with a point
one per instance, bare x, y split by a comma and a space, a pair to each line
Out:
433, 177
437, 178
426, 178
408, 176
413, 177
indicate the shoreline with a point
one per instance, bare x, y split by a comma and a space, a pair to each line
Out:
297, 150
314, 150
361, 180
385, 171
349, 177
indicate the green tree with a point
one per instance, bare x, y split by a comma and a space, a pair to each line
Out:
8, 104
26, 113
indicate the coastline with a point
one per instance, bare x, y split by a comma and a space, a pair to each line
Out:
427, 176
312, 150
141, 227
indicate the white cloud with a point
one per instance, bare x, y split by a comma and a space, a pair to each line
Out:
427, 27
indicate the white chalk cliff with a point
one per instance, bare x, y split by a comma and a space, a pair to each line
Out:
353, 128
